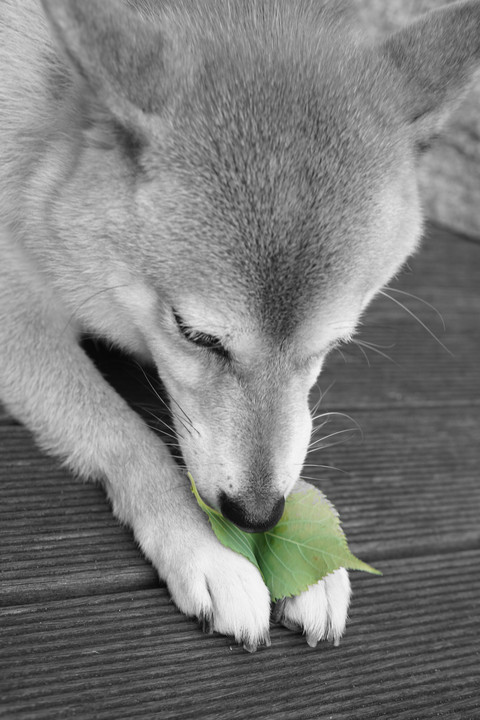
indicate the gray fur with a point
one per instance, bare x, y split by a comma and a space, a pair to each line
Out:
249, 166
449, 174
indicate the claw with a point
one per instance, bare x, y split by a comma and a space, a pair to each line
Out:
206, 623
334, 639
252, 647
312, 641
277, 611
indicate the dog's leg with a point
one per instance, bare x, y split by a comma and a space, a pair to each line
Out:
49, 383
321, 611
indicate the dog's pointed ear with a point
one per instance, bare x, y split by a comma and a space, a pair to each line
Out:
119, 55
437, 57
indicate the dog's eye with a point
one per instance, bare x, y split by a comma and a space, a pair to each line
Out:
210, 342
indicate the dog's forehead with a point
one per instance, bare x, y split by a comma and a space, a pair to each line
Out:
277, 208
278, 157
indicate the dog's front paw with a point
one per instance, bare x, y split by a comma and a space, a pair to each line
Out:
320, 612
225, 591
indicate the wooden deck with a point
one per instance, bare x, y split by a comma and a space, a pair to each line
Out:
87, 631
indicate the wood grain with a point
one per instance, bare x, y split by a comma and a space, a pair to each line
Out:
410, 652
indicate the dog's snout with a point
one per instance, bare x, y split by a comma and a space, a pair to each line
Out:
257, 517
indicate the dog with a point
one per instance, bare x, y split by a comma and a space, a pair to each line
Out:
219, 187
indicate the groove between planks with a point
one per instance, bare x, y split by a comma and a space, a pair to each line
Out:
411, 646
409, 489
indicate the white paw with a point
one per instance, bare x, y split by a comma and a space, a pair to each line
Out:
225, 591
321, 611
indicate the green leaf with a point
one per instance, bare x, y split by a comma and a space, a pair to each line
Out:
229, 534
306, 545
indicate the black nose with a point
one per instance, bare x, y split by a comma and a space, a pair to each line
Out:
258, 517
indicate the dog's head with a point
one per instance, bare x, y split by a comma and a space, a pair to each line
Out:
265, 160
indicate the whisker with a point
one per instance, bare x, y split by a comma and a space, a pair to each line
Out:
170, 396
315, 445
340, 414
153, 427
326, 447
326, 467
360, 347
363, 343
167, 444
317, 429
337, 432
171, 434
412, 314
321, 396
373, 345
341, 353
157, 395
424, 302
183, 411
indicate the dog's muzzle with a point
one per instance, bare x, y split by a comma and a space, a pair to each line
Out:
257, 517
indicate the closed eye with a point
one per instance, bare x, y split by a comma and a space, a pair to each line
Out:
201, 339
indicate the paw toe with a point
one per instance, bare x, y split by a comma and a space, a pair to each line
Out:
320, 612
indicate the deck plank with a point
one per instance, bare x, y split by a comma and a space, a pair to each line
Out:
446, 274
411, 647
408, 484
